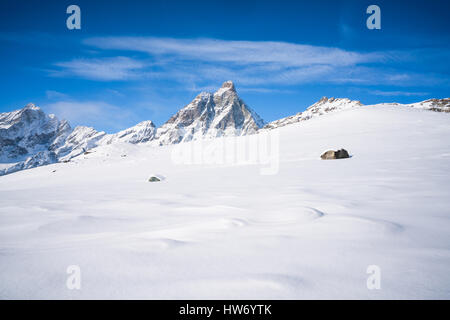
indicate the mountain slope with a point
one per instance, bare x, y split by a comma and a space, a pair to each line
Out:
142, 132
321, 107
80, 140
309, 231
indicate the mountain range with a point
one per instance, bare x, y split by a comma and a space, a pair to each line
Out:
30, 138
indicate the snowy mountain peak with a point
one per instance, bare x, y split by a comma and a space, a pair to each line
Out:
226, 86
146, 123
28, 114
29, 137
210, 115
31, 106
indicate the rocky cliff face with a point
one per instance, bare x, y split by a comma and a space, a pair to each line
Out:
29, 130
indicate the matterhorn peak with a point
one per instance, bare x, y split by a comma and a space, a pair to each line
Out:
228, 85
210, 115
30, 106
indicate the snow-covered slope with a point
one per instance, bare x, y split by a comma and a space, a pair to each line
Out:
321, 107
212, 231
84, 139
79, 141
142, 132
210, 115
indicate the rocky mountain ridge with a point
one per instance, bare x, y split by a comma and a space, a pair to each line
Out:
30, 138
321, 107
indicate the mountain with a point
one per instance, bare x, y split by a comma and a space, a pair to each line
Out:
211, 115
83, 139
28, 131
330, 105
29, 138
321, 107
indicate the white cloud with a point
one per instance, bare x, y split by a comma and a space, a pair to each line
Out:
104, 69
241, 52
397, 93
251, 64
52, 95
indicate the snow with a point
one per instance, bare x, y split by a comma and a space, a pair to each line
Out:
214, 231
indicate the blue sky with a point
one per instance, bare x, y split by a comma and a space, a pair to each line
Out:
139, 60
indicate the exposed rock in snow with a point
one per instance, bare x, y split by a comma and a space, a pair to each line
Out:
39, 159
211, 115
323, 106
438, 105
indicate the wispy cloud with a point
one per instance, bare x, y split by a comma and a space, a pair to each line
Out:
397, 93
55, 95
101, 69
240, 52
199, 62
252, 64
